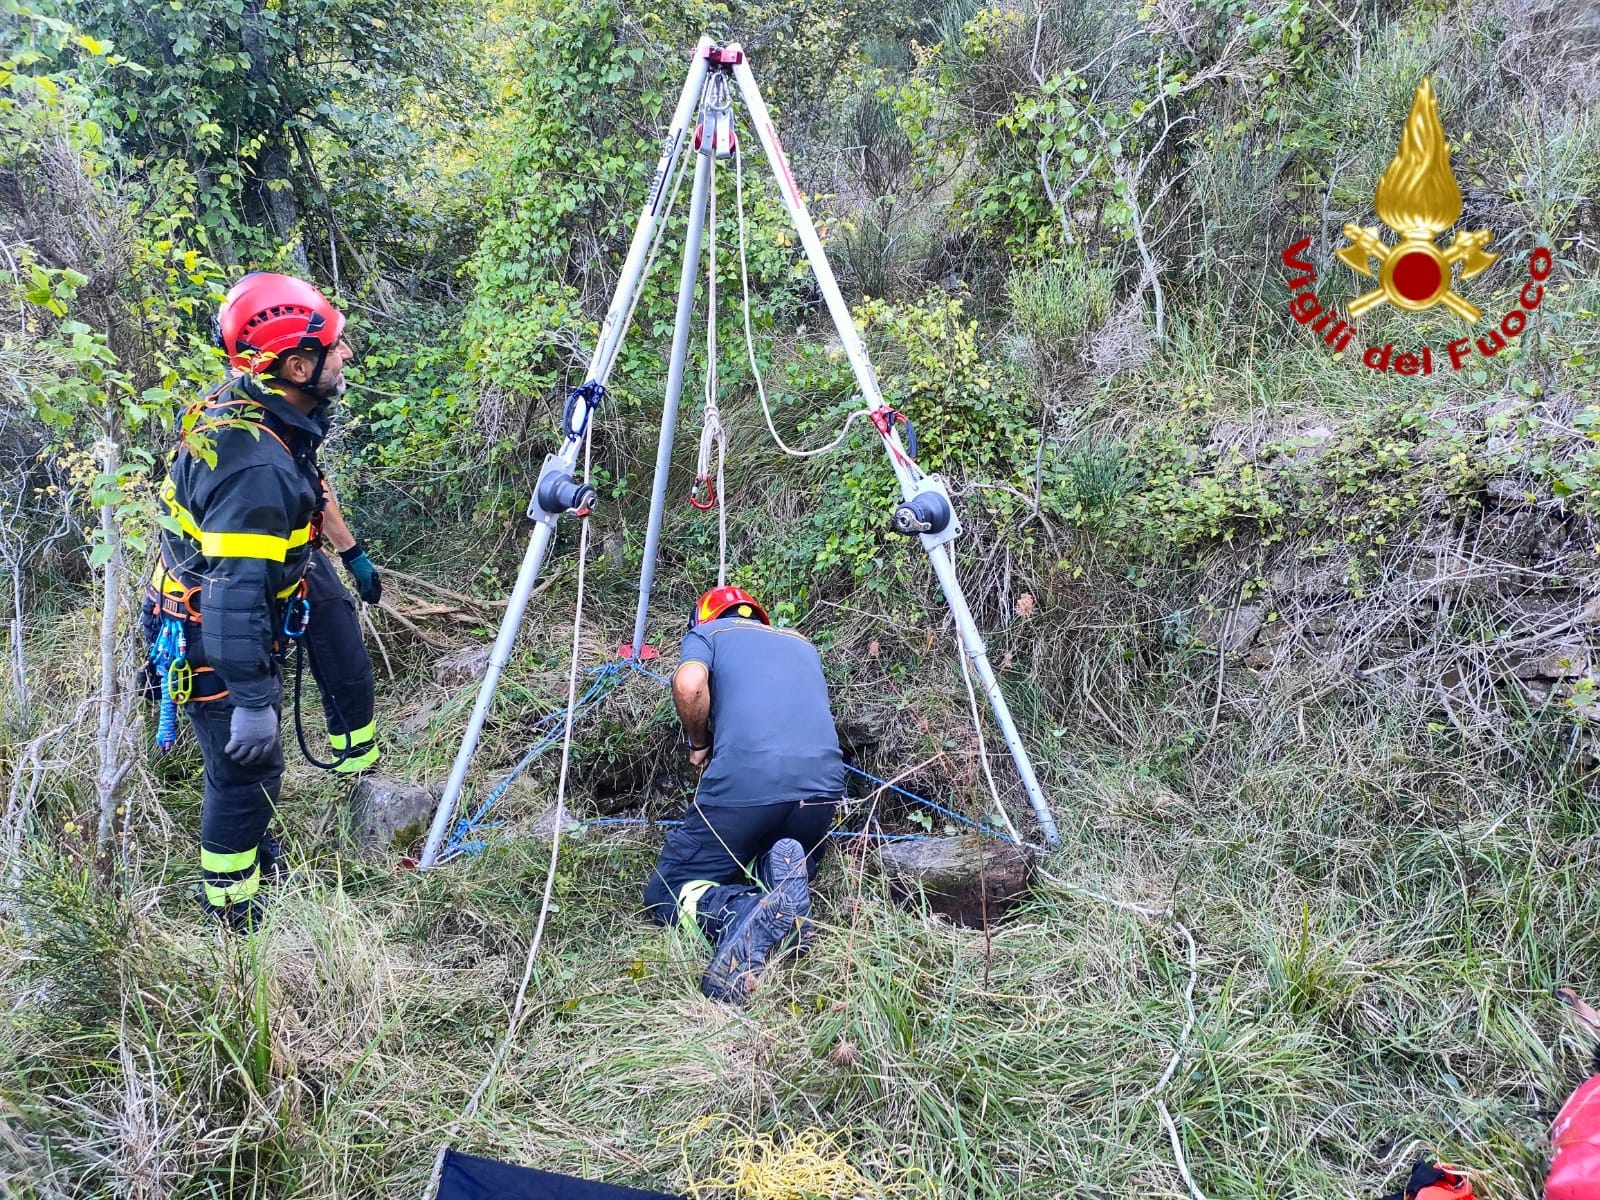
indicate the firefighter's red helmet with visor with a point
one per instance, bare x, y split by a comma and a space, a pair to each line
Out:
265, 315
728, 601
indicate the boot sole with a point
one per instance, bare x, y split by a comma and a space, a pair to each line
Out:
744, 950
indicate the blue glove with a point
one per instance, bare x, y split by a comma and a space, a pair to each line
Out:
252, 735
368, 586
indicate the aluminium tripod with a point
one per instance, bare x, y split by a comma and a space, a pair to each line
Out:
925, 509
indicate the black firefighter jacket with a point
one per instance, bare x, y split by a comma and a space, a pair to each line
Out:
246, 526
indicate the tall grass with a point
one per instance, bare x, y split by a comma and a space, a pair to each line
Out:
1380, 918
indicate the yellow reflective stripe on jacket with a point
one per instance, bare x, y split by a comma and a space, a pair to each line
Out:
182, 515
222, 544
252, 545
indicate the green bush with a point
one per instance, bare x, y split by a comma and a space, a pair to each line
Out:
975, 423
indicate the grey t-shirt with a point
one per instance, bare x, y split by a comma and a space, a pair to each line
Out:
772, 731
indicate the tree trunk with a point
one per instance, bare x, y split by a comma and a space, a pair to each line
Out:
282, 205
111, 726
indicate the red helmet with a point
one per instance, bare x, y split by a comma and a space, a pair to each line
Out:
719, 600
265, 315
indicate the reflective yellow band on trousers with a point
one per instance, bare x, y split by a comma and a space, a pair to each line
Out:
222, 864
363, 747
356, 737
218, 895
689, 896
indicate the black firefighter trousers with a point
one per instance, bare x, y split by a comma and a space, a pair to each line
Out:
714, 860
341, 666
240, 800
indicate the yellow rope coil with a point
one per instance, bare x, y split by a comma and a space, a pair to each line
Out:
787, 1164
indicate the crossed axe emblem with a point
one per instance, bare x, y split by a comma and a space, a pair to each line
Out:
1415, 274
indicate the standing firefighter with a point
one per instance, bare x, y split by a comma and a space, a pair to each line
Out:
241, 576
754, 705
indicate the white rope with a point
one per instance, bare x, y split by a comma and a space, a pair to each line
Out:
977, 725
519, 1007
712, 434
749, 335
1193, 954
1141, 910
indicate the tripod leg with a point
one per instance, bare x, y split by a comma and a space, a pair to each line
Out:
610, 341
615, 324
669, 417
904, 469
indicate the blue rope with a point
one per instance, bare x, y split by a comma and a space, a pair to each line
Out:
980, 826
169, 656
461, 840
663, 680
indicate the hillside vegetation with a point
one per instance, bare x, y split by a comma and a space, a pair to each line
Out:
1304, 651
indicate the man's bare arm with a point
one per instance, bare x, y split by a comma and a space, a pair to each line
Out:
691, 693
334, 527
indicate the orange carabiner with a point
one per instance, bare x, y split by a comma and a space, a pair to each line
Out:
703, 483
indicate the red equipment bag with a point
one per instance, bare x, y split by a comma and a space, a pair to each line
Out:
1435, 1181
1575, 1169
1575, 1136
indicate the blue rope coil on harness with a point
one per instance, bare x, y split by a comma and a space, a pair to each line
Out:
169, 655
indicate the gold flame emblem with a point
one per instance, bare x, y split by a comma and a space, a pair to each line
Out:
1418, 199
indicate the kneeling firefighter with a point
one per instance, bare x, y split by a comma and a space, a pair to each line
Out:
241, 576
754, 705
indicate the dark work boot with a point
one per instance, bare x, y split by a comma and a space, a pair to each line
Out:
760, 925
243, 916
270, 857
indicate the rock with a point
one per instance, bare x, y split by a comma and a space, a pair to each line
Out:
1509, 493
1565, 661
1232, 632
965, 879
1269, 645
545, 825
414, 723
387, 815
462, 666
862, 727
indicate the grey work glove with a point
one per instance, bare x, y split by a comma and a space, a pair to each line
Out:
252, 735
